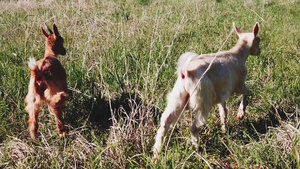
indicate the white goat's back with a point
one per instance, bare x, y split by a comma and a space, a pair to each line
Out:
224, 77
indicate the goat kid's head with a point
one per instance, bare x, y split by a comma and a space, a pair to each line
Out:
54, 41
251, 39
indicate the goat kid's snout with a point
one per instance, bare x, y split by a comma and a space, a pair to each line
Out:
255, 49
61, 51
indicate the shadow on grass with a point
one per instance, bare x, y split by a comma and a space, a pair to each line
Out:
97, 110
244, 131
256, 127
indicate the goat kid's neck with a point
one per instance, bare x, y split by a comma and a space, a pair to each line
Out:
241, 49
50, 53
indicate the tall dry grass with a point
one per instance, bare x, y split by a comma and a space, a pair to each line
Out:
121, 61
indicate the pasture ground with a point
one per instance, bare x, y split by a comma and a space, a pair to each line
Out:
121, 60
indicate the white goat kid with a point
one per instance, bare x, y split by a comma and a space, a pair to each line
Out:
225, 77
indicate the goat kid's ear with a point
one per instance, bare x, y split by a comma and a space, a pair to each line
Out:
55, 30
255, 29
236, 29
44, 32
50, 30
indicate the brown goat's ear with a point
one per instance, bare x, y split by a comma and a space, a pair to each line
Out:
44, 32
50, 30
255, 29
236, 29
55, 30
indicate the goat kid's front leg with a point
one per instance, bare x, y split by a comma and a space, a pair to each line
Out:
177, 100
57, 111
243, 104
56, 106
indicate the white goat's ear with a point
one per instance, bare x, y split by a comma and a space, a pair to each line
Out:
255, 29
236, 29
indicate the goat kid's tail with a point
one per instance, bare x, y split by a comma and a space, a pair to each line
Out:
32, 63
35, 71
183, 62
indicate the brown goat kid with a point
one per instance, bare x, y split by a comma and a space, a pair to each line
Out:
225, 77
48, 83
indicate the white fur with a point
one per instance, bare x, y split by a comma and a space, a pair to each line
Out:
32, 63
225, 77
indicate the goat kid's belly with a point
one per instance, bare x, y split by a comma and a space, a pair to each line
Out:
206, 92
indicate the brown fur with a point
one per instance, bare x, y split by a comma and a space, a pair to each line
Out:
48, 83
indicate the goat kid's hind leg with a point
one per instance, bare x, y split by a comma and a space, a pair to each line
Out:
223, 115
33, 108
243, 104
201, 102
201, 117
177, 100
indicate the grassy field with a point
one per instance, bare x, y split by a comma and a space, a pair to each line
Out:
121, 61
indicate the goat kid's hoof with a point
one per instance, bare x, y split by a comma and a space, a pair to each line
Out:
62, 135
33, 136
154, 159
155, 154
194, 142
240, 115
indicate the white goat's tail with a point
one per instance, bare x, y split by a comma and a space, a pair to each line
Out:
183, 62
32, 63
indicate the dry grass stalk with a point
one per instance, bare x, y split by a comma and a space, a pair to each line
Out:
130, 134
